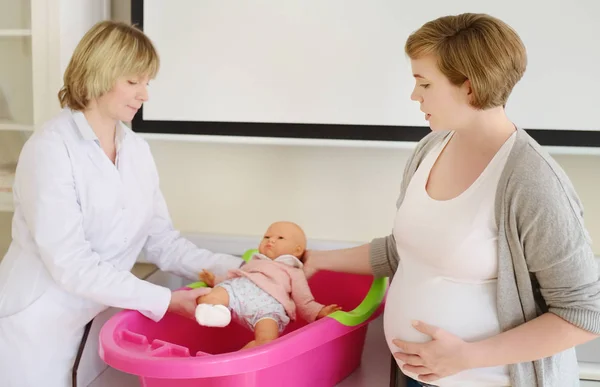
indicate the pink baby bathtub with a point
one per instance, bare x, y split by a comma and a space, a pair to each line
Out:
177, 352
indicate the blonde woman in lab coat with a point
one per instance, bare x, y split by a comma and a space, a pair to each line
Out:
87, 203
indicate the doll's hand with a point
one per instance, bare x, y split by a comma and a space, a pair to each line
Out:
208, 278
327, 310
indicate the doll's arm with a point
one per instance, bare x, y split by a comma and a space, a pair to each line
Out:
327, 310
306, 305
210, 279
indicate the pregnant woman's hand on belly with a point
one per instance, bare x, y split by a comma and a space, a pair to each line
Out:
445, 355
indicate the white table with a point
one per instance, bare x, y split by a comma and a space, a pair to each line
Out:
373, 372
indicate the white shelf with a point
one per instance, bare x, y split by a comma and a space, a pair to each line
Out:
14, 32
9, 125
6, 202
7, 178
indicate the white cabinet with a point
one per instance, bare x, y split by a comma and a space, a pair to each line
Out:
16, 81
6, 181
16, 89
37, 38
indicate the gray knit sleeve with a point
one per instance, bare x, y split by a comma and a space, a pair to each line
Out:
383, 256
555, 243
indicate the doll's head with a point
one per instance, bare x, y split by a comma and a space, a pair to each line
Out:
283, 238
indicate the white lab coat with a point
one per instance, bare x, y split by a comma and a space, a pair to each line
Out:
80, 222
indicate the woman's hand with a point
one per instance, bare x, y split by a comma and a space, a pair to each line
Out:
183, 302
445, 355
309, 260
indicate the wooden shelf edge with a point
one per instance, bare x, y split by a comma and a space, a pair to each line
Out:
6, 32
6, 202
7, 179
14, 126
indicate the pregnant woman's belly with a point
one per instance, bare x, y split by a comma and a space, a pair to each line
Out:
465, 309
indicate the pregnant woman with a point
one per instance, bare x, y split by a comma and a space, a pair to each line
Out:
494, 279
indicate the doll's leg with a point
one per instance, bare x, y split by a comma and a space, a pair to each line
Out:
218, 296
212, 309
266, 330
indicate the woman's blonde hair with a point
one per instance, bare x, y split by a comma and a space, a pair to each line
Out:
475, 47
108, 51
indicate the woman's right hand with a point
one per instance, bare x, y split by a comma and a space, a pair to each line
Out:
183, 302
309, 262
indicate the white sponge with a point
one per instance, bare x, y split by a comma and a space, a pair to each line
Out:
213, 315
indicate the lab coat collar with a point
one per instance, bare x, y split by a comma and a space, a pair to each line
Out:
286, 259
85, 130
87, 133
120, 135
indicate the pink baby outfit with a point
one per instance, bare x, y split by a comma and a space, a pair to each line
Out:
284, 280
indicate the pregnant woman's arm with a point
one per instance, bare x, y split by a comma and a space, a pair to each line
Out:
536, 339
558, 252
447, 354
354, 260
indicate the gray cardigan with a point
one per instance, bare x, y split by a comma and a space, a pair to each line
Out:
545, 260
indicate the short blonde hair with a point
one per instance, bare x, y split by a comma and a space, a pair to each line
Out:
475, 47
108, 51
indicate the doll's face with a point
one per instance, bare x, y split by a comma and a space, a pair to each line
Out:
283, 238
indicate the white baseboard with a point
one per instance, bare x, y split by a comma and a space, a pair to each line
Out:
589, 371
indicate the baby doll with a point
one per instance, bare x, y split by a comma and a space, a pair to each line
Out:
266, 292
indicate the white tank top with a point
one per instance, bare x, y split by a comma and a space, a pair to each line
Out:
448, 265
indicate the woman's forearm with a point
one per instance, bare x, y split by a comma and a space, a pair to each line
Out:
353, 260
539, 338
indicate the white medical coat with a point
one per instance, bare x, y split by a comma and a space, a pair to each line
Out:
80, 222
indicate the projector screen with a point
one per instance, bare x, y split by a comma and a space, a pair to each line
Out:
337, 69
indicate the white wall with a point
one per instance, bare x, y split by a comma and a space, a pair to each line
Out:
334, 193
76, 18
